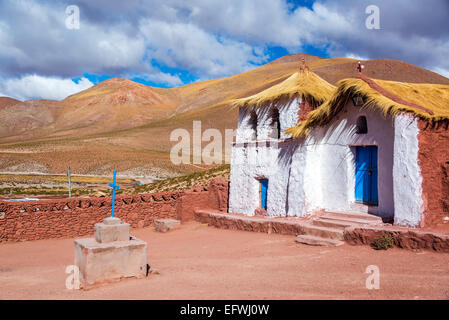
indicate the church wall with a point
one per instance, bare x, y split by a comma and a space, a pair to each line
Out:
318, 172
253, 161
288, 115
266, 159
407, 173
327, 157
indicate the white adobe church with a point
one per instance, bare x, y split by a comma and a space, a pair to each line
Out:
304, 145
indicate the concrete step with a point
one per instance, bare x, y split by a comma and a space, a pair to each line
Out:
318, 241
353, 216
332, 223
348, 220
323, 232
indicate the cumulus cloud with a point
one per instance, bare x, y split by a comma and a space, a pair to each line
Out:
189, 47
443, 72
160, 77
411, 31
34, 39
39, 87
210, 39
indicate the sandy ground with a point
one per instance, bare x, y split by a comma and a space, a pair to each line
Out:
201, 262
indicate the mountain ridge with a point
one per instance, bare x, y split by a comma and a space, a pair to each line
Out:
125, 124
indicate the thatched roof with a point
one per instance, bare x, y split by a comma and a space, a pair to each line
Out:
305, 84
429, 102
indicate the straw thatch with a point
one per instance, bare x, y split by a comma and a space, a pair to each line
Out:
429, 102
305, 84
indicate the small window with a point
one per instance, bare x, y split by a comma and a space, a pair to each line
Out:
253, 124
275, 124
357, 100
362, 126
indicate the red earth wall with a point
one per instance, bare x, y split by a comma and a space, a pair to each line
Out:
433, 158
304, 108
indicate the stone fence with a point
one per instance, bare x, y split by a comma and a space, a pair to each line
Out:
69, 218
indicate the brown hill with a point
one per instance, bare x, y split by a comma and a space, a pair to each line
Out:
125, 125
6, 102
19, 119
115, 104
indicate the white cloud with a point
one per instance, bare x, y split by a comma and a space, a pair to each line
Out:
187, 46
39, 87
355, 56
443, 72
34, 39
210, 38
411, 31
162, 78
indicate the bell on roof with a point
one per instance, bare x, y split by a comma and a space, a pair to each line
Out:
360, 66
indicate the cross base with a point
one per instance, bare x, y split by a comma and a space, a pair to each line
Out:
112, 229
111, 255
101, 263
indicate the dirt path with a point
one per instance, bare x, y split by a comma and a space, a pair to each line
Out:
200, 262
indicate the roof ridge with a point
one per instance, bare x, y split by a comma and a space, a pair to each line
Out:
375, 86
304, 82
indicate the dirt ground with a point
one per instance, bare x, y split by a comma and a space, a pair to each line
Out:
201, 262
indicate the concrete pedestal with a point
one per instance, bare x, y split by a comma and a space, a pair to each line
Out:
111, 256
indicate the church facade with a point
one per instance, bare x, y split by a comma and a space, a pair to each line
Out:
357, 147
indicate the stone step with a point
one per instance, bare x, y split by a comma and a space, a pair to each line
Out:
331, 223
353, 216
318, 241
349, 220
323, 232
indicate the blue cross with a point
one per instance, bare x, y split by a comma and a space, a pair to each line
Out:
114, 186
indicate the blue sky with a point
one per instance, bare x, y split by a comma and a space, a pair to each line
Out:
169, 43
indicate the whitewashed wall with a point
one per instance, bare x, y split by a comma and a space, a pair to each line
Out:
244, 128
408, 202
251, 160
327, 157
288, 115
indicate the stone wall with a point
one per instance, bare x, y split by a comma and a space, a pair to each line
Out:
69, 218
412, 239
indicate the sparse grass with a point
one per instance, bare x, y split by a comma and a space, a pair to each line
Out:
44, 191
36, 178
197, 179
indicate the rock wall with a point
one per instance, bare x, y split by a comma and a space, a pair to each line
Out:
68, 218
403, 238
433, 157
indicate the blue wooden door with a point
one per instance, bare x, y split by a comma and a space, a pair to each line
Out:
366, 175
263, 193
